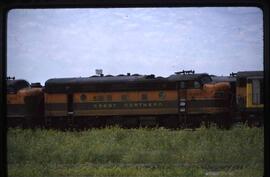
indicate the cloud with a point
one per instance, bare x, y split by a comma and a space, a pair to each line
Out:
75, 42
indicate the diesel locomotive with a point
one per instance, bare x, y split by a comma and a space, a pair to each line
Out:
249, 96
184, 99
25, 104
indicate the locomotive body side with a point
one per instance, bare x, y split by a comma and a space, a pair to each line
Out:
210, 99
55, 104
254, 93
125, 98
172, 101
207, 103
249, 93
123, 103
179, 100
24, 105
94, 108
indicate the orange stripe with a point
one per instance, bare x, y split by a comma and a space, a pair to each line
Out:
15, 99
55, 98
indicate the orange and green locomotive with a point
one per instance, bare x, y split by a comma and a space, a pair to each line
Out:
184, 99
131, 100
24, 104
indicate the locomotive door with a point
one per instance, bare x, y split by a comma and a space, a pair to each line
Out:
70, 121
182, 102
70, 104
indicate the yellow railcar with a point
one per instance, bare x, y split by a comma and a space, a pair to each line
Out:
249, 92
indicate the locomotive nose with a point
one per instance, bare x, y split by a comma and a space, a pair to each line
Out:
218, 90
222, 86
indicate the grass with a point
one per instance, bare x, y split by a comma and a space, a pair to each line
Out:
136, 152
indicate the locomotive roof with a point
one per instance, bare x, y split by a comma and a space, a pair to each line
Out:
103, 83
92, 79
245, 74
185, 77
117, 83
123, 78
15, 85
223, 79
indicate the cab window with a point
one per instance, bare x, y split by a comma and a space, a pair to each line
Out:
257, 97
182, 85
206, 79
196, 85
11, 90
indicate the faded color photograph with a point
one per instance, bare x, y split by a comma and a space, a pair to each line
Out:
135, 92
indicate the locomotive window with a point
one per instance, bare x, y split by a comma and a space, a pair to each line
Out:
161, 95
124, 97
11, 90
144, 97
205, 80
182, 85
70, 102
261, 91
256, 91
196, 84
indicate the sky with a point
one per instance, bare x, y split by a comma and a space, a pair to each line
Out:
57, 43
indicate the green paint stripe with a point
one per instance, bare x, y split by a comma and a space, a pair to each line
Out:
125, 105
16, 109
136, 105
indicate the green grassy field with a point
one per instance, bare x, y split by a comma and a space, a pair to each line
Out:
136, 152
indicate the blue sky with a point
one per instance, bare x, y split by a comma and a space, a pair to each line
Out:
47, 43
